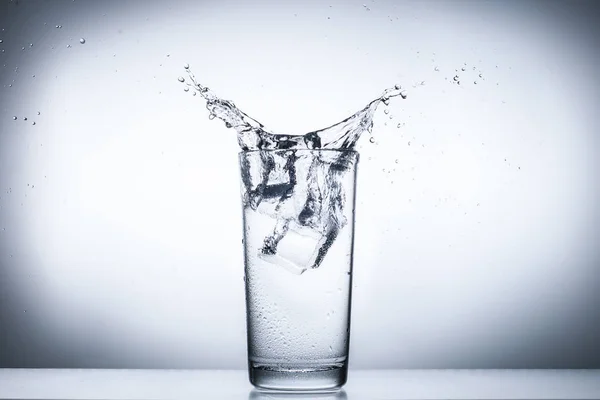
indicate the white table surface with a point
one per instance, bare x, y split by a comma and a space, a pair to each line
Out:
372, 384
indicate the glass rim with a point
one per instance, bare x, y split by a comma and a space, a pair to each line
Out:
347, 151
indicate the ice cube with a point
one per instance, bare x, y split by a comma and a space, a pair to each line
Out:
296, 249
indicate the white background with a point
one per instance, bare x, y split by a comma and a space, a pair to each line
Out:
477, 224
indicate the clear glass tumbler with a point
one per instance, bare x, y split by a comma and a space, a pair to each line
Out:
298, 209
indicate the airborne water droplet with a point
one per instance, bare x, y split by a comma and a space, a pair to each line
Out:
436, 69
24, 118
211, 116
386, 111
186, 66
372, 139
181, 79
475, 82
68, 46
33, 123
456, 78
1, 41
14, 118
38, 113
462, 69
82, 41
403, 94
186, 89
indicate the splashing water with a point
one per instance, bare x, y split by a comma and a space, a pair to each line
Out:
252, 135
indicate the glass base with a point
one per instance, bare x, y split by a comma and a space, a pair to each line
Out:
324, 378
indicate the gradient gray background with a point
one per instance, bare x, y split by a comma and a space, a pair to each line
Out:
120, 220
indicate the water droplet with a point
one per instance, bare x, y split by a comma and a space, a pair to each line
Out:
33, 76
14, 118
481, 75
475, 82
436, 69
30, 44
403, 94
456, 78
462, 69
396, 161
409, 143
193, 93
397, 86
422, 83
82, 41
38, 113
330, 348
24, 118
372, 139
33, 123
399, 125
1, 41
68, 46
23, 48
386, 111
211, 116
186, 66
186, 89
181, 79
